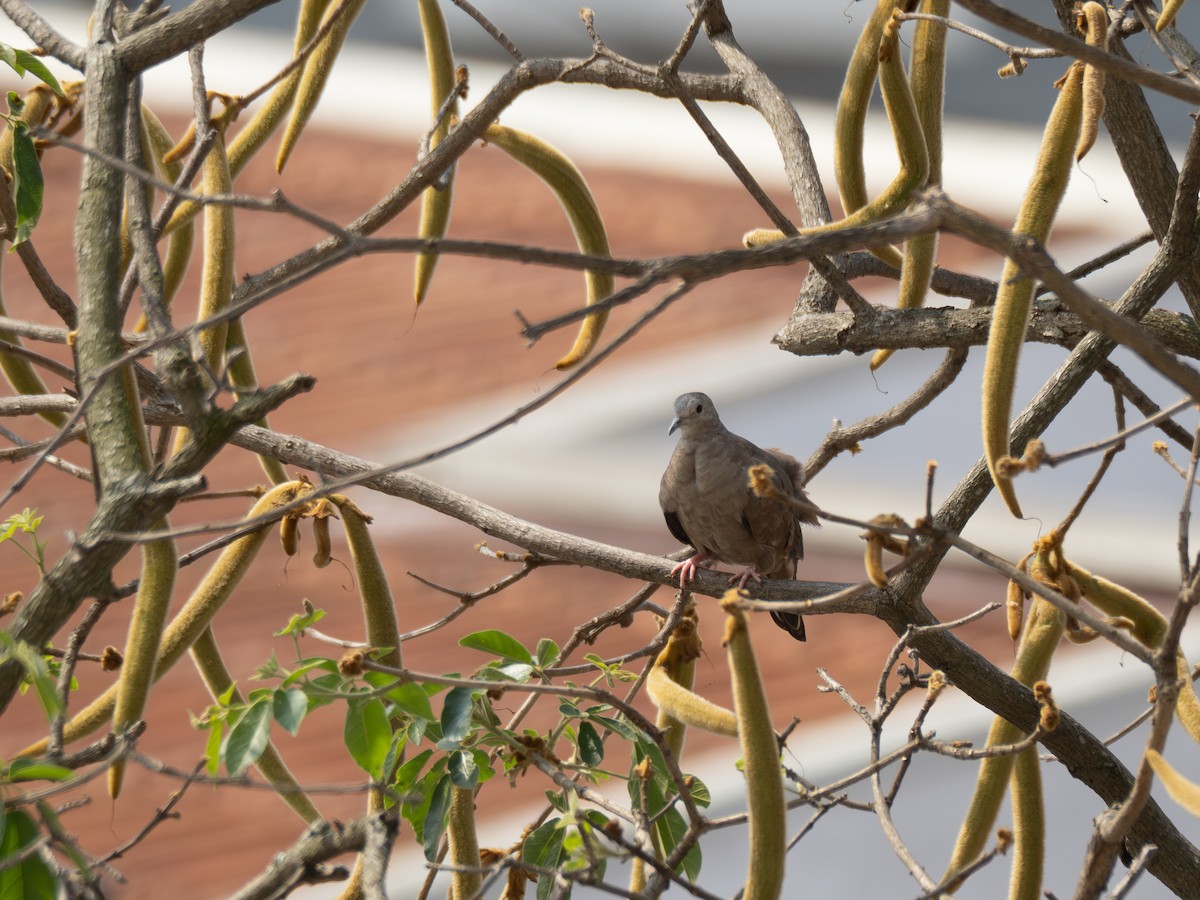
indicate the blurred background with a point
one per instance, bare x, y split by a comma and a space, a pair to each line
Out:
395, 383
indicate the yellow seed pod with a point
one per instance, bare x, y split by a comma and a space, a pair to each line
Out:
1170, 10
315, 74
569, 186
323, 555
1014, 298
436, 201
873, 560
910, 147
1184, 792
289, 535
1014, 606
1093, 22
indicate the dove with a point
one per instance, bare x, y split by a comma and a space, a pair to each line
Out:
708, 503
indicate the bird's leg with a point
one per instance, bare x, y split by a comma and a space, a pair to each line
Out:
686, 570
745, 575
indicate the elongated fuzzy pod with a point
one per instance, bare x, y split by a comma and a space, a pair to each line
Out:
910, 146
1014, 298
928, 80
1149, 626
436, 201
315, 74
207, 657
182, 239
153, 601
1170, 10
1094, 22
1029, 827
1184, 792
197, 613
849, 128
1043, 630
255, 133
569, 186
760, 759
683, 707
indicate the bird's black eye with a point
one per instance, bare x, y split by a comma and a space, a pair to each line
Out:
699, 408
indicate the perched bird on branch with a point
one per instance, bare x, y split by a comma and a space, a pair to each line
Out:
708, 502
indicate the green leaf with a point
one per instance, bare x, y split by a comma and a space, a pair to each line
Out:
394, 755
28, 185
546, 653
618, 726
456, 716
409, 698
435, 817
591, 749
297, 623
31, 63
368, 734
289, 709
37, 672
513, 672
212, 747
317, 662
500, 643
544, 848
463, 771
22, 769
670, 828
409, 772
32, 877
248, 738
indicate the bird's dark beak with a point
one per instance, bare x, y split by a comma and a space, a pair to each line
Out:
674, 425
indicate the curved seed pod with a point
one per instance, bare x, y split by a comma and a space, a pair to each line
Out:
289, 534
577, 202
463, 845
437, 200
1170, 10
1147, 625
850, 120
207, 657
1184, 792
243, 378
182, 239
1043, 630
873, 560
928, 80
313, 77
216, 278
760, 760
379, 608
382, 628
1029, 827
1014, 298
251, 137
679, 706
323, 555
677, 662
197, 613
1093, 21
159, 565
910, 146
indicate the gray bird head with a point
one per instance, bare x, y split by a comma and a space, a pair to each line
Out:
694, 412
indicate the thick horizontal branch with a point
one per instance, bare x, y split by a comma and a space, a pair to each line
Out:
817, 334
295, 451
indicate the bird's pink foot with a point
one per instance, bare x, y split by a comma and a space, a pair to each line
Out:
745, 575
686, 570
